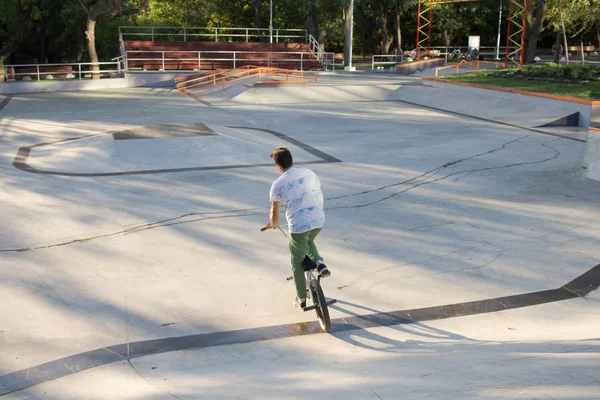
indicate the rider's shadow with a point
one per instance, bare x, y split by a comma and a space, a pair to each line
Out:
355, 334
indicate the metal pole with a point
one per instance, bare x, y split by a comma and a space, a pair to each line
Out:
418, 28
429, 38
349, 67
508, 32
271, 22
523, 34
499, 26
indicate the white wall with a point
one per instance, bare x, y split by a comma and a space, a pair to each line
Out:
132, 79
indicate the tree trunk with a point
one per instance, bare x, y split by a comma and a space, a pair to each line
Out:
43, 58
557, 48
398, 29
535, 21
347, 24
80, 41
386, 40
90, 33
257, 10
12, 44
564, 31
446, 37
311, 20
598, 32
9, 47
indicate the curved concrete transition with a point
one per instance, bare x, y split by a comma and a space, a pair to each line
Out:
461, 237
160, 149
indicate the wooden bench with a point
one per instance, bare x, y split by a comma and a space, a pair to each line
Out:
586, 49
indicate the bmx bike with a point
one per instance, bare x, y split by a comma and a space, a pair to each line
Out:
314, 292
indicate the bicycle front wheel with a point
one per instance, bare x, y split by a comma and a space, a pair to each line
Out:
320, 304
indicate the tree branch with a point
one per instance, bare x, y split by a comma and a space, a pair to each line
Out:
117, 12
15, 41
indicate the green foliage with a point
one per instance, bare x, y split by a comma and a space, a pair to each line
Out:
576, 15
587, 89
55, 27
554, 73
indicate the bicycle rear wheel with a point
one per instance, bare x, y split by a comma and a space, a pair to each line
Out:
320, 304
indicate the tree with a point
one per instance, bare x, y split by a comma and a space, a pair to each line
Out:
569, 15
15, 18
96, 9
347, 14
535, 22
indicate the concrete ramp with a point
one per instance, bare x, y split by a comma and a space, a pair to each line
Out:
502, 107
298, 94
569, 120
497, 106
161, 149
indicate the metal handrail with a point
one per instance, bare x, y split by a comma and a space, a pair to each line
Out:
211, 32
199, 58
10, 71
476, 65
246, 72
397, 59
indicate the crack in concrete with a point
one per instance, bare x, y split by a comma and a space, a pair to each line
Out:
246, 212
556, 155
143, 227
433, 171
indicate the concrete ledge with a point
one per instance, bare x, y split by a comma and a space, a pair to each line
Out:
155, 79
589, 110
412, 67
62, 86
517, 91
131, 79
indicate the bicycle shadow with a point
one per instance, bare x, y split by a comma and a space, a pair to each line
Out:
352, 332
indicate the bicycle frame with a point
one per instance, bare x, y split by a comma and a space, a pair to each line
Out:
310, 276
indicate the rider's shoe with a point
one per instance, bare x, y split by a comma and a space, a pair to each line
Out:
323, 271
299, 303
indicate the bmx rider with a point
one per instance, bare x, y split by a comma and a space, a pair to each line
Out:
300, 190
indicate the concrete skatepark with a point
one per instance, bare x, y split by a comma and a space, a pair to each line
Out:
462, 236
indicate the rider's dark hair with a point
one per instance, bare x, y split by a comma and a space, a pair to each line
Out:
282, 157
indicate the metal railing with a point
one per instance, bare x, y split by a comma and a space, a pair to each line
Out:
173, 33
476, 65
229, 34
68, 71
436, 51
196, 83
196, 59
486, 51
394, 60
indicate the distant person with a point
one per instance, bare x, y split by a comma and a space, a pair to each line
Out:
300, 190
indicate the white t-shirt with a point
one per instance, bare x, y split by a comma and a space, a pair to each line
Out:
300, 190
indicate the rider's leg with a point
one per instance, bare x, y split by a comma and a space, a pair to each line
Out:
314, 255
313, 252
298, 251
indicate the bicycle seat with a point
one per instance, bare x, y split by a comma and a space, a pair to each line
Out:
309, 264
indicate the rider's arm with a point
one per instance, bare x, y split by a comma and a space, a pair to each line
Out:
274, 215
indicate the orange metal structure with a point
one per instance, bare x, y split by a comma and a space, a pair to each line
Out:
193, 83
517, 28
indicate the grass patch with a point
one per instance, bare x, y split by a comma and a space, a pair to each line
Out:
552, 79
